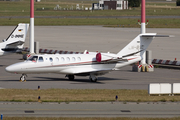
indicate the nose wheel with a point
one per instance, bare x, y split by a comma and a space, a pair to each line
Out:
23, 78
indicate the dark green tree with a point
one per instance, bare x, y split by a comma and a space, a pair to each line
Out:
134, 3
178, 3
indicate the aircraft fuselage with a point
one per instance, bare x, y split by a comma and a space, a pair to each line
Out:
68, 64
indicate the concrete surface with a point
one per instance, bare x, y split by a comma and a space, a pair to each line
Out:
90, 109
123, 79
98, 38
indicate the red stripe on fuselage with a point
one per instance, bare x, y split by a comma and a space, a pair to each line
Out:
131, 58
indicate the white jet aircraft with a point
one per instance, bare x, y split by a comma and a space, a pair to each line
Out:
89, 64
15, 41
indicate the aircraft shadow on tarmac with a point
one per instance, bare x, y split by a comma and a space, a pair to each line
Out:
85, 80
99, 81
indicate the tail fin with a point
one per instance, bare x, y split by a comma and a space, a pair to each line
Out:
138, 45
17, 38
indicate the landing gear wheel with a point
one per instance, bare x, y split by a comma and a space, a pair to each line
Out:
95, 80
70, 77
23, 78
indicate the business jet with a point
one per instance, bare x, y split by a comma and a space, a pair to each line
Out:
90, 64
15, 41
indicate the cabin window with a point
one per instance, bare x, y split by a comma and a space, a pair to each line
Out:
40, 59
51, 60
57, 59
73, 59
62, 59
67, 59
33, 58
79, 59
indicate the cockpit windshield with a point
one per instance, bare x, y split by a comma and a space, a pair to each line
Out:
33, 58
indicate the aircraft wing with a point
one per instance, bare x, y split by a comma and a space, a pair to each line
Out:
114, 60
131, 54
156, 35
97, 73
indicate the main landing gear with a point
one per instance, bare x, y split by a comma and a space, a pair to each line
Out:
93, 78
70, 77
23, 78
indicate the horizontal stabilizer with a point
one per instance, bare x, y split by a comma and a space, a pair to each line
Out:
156, 35
11, 49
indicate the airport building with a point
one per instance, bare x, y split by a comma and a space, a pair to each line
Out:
110, 5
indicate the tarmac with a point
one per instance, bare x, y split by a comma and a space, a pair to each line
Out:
102, 39
122, 79
90, 109
92, 38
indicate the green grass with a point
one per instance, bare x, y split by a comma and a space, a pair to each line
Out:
78, 95
22, 8
111, 22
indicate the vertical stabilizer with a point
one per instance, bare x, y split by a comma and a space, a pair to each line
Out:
146, 40
138, 45
15, 41
18, 35
131, 48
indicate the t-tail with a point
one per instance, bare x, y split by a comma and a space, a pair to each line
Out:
15, 41
138, 45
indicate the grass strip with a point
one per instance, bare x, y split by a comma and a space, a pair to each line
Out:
45, 8
108, 22
82, 95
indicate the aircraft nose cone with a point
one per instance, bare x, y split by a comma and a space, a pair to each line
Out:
9, 69
13, 68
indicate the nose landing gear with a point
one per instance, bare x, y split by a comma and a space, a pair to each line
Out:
23, 78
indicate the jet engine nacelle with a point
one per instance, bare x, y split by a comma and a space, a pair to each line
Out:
98, 57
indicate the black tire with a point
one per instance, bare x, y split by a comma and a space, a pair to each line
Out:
71, 77
93, 80
22, 78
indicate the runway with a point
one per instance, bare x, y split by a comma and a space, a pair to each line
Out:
90, 109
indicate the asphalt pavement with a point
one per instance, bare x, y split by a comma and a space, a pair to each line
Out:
90, 109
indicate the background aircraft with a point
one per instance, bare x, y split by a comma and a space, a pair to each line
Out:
90, 64
15, 41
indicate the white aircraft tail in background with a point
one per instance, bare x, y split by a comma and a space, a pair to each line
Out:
15, 41
90, 64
